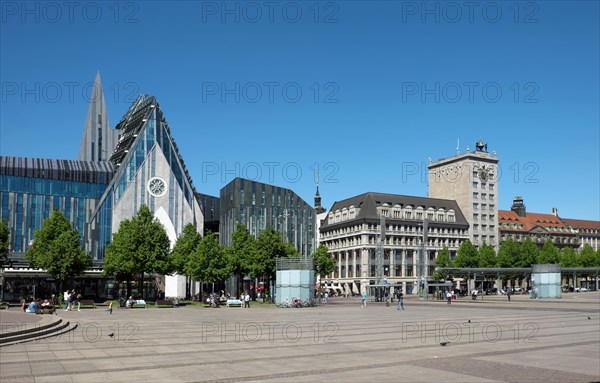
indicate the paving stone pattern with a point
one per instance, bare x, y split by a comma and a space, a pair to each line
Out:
520, 341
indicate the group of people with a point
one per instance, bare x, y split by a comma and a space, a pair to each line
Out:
71, 299
387, 298
36, 306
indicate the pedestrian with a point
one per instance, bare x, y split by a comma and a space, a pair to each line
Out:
400, 301
387, 299
475, 294
247, 300
79, 301
449, 296
508, 295
325, 297
364, 299
67, 298
109, 309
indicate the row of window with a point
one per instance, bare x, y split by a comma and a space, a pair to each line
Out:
484, 196
484, 206
483, 185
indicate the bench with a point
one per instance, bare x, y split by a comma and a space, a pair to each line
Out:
164, 303
234, 303
88, 304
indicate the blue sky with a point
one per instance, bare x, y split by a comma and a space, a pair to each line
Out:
364, 91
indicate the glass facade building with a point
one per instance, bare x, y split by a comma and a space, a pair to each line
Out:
258, 205
30, 188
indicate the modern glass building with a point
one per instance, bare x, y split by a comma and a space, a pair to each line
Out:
144, 167
258, 205
30, 188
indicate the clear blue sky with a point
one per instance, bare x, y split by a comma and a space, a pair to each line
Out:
384, 86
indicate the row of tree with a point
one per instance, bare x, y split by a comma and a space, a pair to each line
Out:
141, 246
518, 254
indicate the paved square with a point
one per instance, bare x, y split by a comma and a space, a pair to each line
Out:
486, 341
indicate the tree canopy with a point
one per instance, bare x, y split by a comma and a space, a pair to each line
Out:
548, 254
323, 262
209, 262
467, 255
140, 246
487, 256
4, 241
56, 248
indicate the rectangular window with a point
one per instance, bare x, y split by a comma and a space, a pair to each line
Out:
475, 195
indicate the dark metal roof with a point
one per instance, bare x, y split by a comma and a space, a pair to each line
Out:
368, 203
99, 172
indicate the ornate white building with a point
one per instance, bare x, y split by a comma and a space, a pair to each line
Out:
368, 253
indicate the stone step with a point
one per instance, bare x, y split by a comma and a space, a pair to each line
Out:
36, 332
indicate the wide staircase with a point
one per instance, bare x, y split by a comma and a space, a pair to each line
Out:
16, 328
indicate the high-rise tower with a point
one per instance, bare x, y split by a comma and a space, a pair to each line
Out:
471, 180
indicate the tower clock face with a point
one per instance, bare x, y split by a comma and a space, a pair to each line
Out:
157, 186
483, 174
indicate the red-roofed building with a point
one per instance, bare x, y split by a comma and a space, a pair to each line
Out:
518, 225
586, 231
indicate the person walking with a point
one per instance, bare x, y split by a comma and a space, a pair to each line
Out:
449, 296
400, 301
109, 309
364, 299
325, 297
508, 295
247, 300
67, 298
79, 301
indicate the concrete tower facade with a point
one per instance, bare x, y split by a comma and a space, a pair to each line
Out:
471, 180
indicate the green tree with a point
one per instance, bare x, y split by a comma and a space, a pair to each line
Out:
548, 254
443, 258
588, 257
185, 246
487, 256
467, 255
528, 253
269, 247
324, 263
140, 246
4, 251
56, 248
241, 254
209, 262
508, 254
568, 257
4, 242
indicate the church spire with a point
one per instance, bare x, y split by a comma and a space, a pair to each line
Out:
318, 208
98, 139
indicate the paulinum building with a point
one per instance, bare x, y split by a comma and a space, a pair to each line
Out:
120, 169
389, 239
258, 205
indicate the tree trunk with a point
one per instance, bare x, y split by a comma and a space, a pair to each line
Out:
128, 287
141, 286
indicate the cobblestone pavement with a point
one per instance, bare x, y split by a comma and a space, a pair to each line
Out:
486, 341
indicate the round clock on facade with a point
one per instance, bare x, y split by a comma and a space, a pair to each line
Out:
157, 186
483, 174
